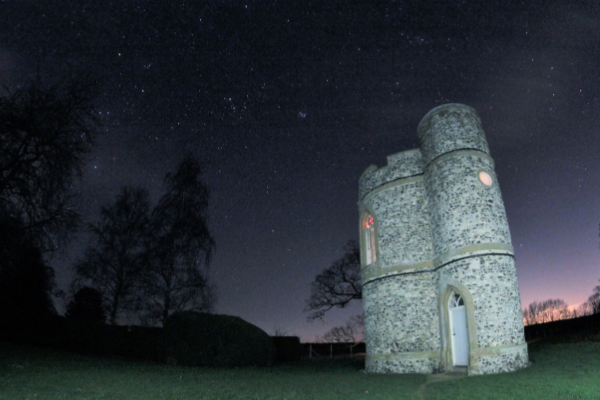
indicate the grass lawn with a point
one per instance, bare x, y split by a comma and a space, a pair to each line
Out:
559, 371
31, 373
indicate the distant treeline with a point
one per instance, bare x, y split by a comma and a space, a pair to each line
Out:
556, 309
581, 328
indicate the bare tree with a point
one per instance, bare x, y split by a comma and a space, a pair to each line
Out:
347, 333
115, 259
565, 313
552, 309
280, 331
180, 248
594, 300
45, 133
337, 285
546, 311
585, 309
338, 334
527, 320
575, 313
533, 312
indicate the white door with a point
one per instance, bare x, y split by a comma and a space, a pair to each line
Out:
460, 338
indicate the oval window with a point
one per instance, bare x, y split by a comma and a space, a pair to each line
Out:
485, 178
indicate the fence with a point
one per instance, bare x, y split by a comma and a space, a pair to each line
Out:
331, 350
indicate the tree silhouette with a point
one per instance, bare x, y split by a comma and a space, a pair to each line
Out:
115, 259
594, 300
546, 311
45, 133
337, 285
86, 306
348, 333
26, 282
180, 247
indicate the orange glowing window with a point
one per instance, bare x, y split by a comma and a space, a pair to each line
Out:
369, 222
369, 234
485, 178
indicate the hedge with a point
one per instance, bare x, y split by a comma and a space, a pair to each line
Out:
288, 348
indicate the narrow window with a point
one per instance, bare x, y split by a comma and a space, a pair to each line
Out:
369, 229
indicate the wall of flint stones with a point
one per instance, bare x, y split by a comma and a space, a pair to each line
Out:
467, 212
439, 228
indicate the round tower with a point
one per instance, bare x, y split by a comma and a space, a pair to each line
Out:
480, 316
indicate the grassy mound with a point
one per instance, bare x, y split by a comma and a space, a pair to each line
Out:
216, 341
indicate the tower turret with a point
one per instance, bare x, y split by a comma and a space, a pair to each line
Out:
467, 211
440, 287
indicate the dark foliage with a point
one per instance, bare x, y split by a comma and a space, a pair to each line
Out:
115, 259
45, 133
180, 249
216, 341
83, 336
337, 285
138, 342
26, 282
86, 306
135, 342
87, 337
112, 340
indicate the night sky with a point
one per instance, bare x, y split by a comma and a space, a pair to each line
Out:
286, 103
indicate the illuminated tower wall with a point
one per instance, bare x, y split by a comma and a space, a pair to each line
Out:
440, 233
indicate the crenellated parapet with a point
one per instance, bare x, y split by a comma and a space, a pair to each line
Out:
401, 165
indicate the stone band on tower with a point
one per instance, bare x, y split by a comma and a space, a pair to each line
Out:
440, 287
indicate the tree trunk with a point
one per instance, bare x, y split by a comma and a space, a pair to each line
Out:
166, 306
113, 310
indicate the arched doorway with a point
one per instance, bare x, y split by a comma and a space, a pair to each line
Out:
459, 336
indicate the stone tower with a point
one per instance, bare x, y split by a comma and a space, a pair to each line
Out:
440, 288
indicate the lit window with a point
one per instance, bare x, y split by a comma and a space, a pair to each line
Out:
485, 178
369, 230
456, 300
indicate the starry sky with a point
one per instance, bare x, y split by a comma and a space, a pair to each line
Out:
286, 103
